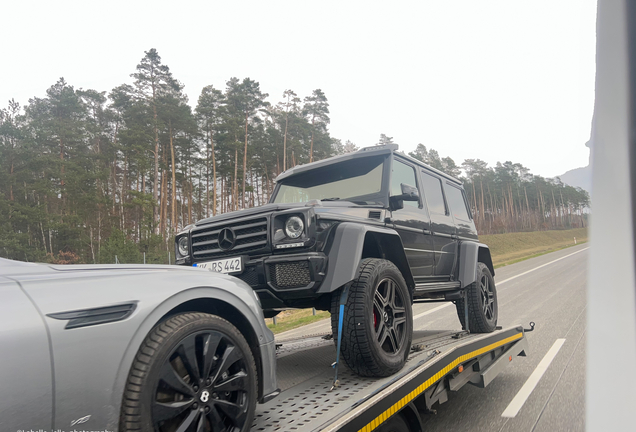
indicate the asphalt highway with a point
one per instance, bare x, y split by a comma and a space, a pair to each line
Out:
544, 391
553, 296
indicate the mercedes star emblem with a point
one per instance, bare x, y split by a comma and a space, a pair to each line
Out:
226, 239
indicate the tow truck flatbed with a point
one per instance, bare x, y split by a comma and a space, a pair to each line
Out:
439, 362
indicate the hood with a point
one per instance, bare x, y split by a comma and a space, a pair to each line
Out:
247, 212
268, 208
19, 270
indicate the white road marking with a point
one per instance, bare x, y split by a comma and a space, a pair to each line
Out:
522, 395
445, 305
499, 283
537, 268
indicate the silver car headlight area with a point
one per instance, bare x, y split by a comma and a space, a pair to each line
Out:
294, 227
182, 246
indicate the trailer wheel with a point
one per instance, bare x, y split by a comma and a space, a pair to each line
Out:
394, 424
377, 321
482, 303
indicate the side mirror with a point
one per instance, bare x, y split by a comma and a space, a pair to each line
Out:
409, 193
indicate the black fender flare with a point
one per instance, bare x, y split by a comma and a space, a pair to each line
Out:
345, 253
471, 253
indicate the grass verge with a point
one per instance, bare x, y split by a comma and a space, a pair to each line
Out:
510, 248
536, 255
294, 318
505, 249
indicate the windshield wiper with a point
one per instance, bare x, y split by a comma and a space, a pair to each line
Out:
365, 203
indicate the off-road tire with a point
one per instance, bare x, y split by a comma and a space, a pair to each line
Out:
143, 380
360, 348
480, 318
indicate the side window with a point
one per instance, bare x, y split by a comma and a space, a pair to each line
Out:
402, 173
457, 203
433, 192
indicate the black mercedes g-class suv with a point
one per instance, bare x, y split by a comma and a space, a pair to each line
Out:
365, 233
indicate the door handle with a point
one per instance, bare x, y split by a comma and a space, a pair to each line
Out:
454, 237
428, 232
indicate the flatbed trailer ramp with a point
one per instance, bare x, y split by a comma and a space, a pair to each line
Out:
439, 362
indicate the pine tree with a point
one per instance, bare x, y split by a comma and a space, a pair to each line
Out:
211, 110
317, 110
153, 80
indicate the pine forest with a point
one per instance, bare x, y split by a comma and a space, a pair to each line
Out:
92, 176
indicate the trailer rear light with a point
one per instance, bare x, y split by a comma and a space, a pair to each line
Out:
461, 368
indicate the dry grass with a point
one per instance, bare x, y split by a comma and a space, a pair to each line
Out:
293, 318
513, 247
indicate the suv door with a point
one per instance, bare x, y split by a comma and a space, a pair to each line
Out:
442, 227
461, 214
412, 223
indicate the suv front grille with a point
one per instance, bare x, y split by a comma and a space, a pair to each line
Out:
245, 236
290, 274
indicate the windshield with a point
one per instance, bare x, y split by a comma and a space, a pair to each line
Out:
357, 180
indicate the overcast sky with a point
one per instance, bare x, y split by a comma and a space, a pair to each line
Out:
495, 80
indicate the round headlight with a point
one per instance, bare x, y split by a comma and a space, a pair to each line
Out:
182, 245
294, 227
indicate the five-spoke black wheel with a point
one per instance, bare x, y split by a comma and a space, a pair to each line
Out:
482, 303
194, 372
389, 316
377, 320
487, 291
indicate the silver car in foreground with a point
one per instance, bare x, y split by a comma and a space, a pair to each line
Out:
130, 348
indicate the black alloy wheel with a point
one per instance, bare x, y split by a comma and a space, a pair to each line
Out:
389, 316
377, 320
202, 381
483, 310
200, 377
487, 297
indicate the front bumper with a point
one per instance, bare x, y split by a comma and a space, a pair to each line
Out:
283, 281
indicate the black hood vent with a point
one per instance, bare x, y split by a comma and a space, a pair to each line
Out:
375, 214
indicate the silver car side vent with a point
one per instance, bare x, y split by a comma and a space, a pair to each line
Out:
94, 316
375, 214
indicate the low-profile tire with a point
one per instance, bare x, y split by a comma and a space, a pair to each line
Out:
482, 303
377, 321
194, 371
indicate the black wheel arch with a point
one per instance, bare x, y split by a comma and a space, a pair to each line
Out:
352, 242
389, 247
471, 253
483, 256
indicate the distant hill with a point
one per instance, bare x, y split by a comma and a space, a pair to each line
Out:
580, 177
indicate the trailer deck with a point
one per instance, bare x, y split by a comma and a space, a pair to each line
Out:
440, 361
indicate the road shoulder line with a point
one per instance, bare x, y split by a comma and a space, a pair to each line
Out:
445, 305
499, 283
522, 395
537, 268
